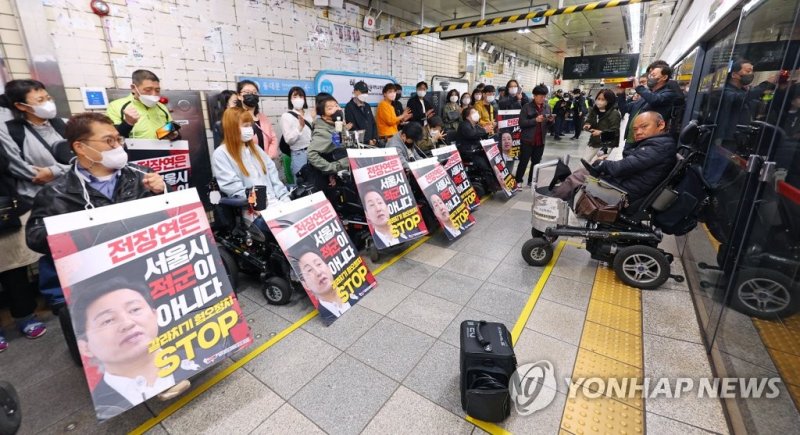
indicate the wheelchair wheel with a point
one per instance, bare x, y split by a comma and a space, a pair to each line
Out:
480, 190
277, 291
231, 268
69, 336
641, 266
10, 412
537, 252
765, 293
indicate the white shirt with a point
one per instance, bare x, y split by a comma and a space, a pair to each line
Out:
455, 232
334, 308
386, 239
290, 129
136, 390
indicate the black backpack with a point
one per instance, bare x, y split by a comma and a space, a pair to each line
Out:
684, 211
283, 146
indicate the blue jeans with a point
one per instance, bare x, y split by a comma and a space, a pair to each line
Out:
299, 159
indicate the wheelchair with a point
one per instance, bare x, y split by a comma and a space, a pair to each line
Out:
243, 247
629, 241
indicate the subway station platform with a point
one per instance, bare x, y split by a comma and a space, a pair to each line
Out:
391, 363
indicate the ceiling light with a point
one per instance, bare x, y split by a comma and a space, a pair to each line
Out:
483, 45
491, 49
635, 11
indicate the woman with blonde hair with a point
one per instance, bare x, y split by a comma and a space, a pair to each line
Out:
240, 165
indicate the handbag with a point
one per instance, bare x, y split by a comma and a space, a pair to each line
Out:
599, 201
9, 214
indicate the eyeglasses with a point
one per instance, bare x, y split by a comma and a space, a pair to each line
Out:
112, 142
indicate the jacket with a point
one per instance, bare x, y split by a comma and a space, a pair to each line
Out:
511, 103
579, 107
152, 118
65, 195
417, 109
233, 182
487, 113
386, 119
321, 143
33, 153
270, 144
643, 166
451, 116
296, 138
468, 136
362, 119
527, 122
403, 152
608, 122
661, 100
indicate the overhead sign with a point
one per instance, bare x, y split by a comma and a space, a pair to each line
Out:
477, 29
600, 67
269, 87
340, 85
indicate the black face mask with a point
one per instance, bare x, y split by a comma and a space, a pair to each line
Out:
250, 100
746, 79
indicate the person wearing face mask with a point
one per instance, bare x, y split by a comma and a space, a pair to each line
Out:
405, 142
396, 103
239, 164
533, 119
468, 139
420, 105
486, 110
660, 94
100, 175
385, 116
603, 121
324, 153
515, 99
140, 114
466, 100
265, 136
433, 135
579, 111
451, 111
296, 125
359, 112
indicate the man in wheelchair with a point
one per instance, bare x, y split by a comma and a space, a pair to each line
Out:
642, 167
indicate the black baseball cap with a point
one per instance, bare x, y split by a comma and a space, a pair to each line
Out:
361, 87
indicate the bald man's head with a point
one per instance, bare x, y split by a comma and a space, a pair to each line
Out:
648, 124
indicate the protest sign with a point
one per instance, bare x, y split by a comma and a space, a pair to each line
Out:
170, 159
448, 207
449, 157
509, 132
317, 245
501, 172
150, 302
389, 205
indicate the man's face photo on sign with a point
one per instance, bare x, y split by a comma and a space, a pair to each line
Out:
317, 276
377, 212
440, 210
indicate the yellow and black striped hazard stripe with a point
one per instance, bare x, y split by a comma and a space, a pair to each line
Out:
513, 18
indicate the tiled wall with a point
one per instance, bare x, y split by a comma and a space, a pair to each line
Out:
205, 44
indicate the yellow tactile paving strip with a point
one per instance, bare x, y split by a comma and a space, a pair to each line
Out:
782, 339
610, 347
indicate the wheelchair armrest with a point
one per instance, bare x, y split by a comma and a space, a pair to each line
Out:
233, 202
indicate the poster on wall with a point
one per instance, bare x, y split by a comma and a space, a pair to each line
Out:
509, 132
389, 205
150, 302
340, 85
440, 191
170, 159
314, 240
507, 182
449, 157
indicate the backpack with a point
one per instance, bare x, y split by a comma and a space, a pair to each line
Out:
685, 210
16, 129
283, 146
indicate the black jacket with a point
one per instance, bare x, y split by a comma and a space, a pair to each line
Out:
65, 195
579, 107
417, 114
511, 103
662, 100
643, 166
468, 136
527, 122
362, 119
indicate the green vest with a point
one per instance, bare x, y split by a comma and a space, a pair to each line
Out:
150, 119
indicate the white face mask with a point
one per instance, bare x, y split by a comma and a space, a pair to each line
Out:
391, 96
149, 100
363, 97
46, 110
421, 94
466, 101
454, 98
513, 91
298, 103
475, 116
435, 134
601, 104
478, 97
247, 133
489, 98
115, 158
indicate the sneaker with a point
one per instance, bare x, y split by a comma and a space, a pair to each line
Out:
3, 342
33, 328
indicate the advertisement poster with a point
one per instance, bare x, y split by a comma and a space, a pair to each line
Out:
340, 85
448, 207
449, 157
389, 205
509, 132
170, 159
504, 177
314, 240
150, 302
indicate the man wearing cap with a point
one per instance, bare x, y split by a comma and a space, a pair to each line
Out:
359, 113
141, 115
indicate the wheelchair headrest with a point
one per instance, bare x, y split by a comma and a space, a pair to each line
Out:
690, 133
62, 151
